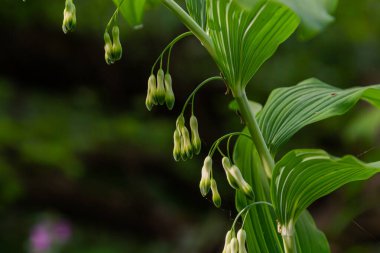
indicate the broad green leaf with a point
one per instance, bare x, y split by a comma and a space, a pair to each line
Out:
315, 14
247, 3
245, 38
261, 223
197, 10
132, 11
303, 176
261, 226
309, 238
292, 108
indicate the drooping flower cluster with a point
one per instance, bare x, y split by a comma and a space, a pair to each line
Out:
69, 17
235, 244
234, 178
208, 182
160, 90
184, 146
112, 47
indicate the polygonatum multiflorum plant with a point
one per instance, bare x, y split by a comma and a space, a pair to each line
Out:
272, 195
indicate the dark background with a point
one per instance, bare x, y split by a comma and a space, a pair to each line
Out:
78, 145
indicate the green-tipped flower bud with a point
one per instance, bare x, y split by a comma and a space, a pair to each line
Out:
226, 163
205, 183
215, 194
187, 149
227, 166
108, 48
227, 241
177, 145
150, 96
117, 50
242, 184
169, 94
195, 139
241, 236
160, 94
180, 121
234, 245
69, 17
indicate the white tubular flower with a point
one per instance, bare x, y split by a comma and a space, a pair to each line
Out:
205, 182
169, 94
215, 194
160, 94
195, 139
234, 245
241, 237
227, 242
242, 184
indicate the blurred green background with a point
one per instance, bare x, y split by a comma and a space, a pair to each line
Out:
78, 147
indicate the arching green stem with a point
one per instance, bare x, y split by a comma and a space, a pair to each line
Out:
169, 46
196, 90
250, 120
191, 24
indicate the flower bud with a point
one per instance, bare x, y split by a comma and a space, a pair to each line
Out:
241, 236
242, 184
226, 163
215, 194
231, 180
150, 99
169, 94
160, 93
205, 183
187, 149
117, 50
180, 121
69, 17
227, 241
195, 139
234, 245
177, 145
108, 48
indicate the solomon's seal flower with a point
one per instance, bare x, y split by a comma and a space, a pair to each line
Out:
69, 17
112, 48
205, 183
241, 236
160, 93
169, 94
151, 94
177, 145
195, 139
235, 178
215, 194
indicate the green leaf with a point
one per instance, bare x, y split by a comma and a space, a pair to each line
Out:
132, 11
245, 38
303, 176
315, 14
261, 226
292, 108
308, 237
197, 10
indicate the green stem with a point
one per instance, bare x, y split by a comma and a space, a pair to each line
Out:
169, 46
191, 24
196, 90
253, 127
289, 244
